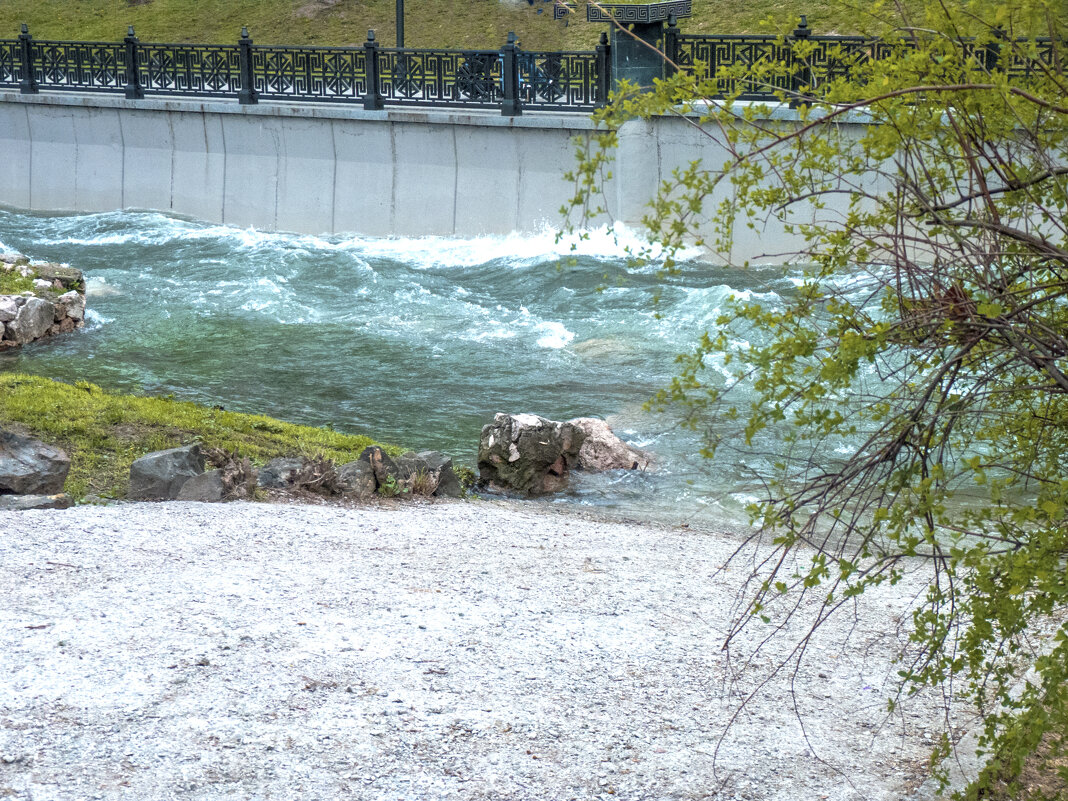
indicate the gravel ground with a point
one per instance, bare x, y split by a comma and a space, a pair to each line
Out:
453, 650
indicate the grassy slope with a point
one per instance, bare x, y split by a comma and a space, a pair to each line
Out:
104, 433
428, 23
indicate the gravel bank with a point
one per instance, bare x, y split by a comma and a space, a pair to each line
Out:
460, 650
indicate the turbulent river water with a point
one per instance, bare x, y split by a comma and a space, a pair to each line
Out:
412, 341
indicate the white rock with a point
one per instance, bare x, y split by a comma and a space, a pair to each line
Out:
40, 283
74, 303
8, 309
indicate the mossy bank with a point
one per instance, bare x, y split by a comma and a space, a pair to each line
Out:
105, 432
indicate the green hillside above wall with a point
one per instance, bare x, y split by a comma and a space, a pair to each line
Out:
428, 23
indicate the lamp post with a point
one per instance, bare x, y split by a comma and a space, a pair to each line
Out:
400, 23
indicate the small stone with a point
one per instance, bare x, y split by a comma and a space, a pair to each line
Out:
357, 479
280, 473
25, 503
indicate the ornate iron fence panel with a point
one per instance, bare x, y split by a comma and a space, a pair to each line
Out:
80, 66
564, 81
200, 70
10, 63
715, 52
310, 73
440, 77
1019, 63
835, 57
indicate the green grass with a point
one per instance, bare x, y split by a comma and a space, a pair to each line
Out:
428, 23
105, 432
14, 282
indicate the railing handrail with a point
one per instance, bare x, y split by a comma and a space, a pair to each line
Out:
507, 77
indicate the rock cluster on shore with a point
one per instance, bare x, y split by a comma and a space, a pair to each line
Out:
179, 474
534, 456
55, 305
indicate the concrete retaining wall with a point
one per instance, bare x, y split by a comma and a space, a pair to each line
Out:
318, 168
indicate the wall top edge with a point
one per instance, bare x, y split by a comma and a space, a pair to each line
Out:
306, 110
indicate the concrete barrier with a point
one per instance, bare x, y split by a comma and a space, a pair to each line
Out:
321, 168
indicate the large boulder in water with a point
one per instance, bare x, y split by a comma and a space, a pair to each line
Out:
528, 453
29, 467
603, 450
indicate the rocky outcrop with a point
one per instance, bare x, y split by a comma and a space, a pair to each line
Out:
527, 453
160, 476
30, 467
357, 479
603, 450
55, 304
534, 456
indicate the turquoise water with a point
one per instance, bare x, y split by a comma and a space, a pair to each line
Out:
412, 341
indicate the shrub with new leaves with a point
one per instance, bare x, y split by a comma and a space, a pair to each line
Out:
927, 339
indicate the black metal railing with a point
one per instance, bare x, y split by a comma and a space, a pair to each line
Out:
310, 73
764, 67
10, 63
197, 70
510, 79
555, 79
467, 79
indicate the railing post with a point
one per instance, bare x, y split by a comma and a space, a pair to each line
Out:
800, 76
134, 90
603, 78
28, 85
992, 50
248, 94
671, 46
511, 106
372, 98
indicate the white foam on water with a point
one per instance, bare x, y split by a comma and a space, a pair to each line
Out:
607, 243
554, 335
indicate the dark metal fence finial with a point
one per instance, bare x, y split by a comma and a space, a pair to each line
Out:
133, 88
603, 76
372, 95
671, 46
247, 95
801, 77
28, 84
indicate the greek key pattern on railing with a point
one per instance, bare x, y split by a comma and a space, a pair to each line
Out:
440, 77
558, 81
10, 66
715, 52
836, 57
80, 66
1019, 64
201, 70
312, 73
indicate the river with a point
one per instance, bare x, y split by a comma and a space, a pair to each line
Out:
412, 341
